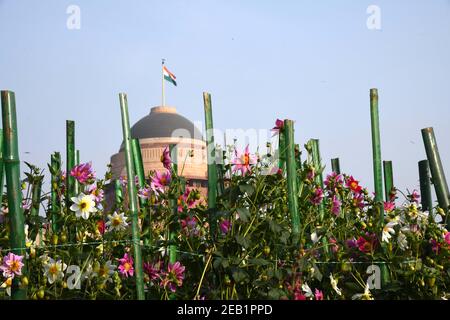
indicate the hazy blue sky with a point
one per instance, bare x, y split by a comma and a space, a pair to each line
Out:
310, 61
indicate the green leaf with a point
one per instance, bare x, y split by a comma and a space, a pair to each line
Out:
258, 262
247, 188
244, 242
239, 275
244, 214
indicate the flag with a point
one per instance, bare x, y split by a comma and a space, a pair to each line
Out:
169, 76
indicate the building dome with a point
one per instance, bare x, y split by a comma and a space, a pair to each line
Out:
164, 122
156, 131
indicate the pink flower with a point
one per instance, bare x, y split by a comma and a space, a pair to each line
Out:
414, 196
123, 181
358, 200
318, 294
333, 180
144, 193
174, 276
225, 226
83, 172
389, 206
153, 270
299, 296
165, 158
160, 181
126, 265
189, 226
97, 193
435, 246
279, 125
317, 197
367, 245
311, 174
12, 265
336, 206
243, 161
447, 238
188, 198
333, 244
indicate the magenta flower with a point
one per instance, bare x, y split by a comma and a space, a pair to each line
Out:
174, 276
333, 180
12, 265
317, 197
160, 181
358, 200
336, 206
447, 237
225, 226
83, 172
435, 246
153, 270
189, 226
367, 244
318, 294
351, 243
126, 265
389, 206
414, 196
299, 296
333, 244
165, 158
243, 161
188, 198
310, 175
279, 125
97, 193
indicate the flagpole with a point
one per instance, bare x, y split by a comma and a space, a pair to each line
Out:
162, 73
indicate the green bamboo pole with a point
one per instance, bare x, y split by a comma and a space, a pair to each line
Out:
132, 197
288, 132
173, 250
220, 171
118, 192
425, 187
376, 150
2, 165
211, 158
36, 188
70, 161
13, 187
377, 171
77, 184
436, 168
335, 165
55, 163
388, 180
317, 162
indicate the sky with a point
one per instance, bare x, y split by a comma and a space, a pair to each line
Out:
310, 61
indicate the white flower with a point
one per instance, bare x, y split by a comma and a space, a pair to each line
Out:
307, 290
83, 205
388, 230
363, 296
334, 285
7, 284
116, 222
54, 270
105, 271
314, 237
402, 242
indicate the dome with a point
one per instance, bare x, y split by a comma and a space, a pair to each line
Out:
164, 122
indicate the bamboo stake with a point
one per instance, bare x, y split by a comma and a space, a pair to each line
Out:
318, 177
55, 163
281, 150
13, 187
288, 132
77, 162
425, 187
335, 165
132, 193
388, 180
436, 168
211, 158
377, 171
70, 161
173, 250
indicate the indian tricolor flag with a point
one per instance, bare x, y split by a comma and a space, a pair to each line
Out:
169, 76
